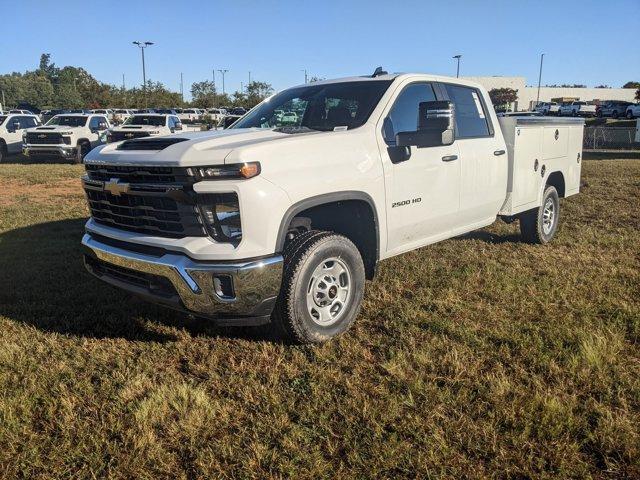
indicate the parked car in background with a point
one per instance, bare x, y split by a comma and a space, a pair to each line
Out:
107, 112
633, 111
121, 114
12, 127
216, 114
68, 136
577, 109
144, 125
289, 118
166, 111
613, 108
190, 115
238, 111
547, 108
46, 115
21, 112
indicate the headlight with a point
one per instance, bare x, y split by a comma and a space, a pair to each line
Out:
221, 214
236, 170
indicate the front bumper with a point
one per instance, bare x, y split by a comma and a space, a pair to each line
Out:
57, 150
237, 293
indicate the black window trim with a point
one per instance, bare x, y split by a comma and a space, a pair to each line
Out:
487, 116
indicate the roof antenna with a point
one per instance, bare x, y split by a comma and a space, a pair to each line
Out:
378, 71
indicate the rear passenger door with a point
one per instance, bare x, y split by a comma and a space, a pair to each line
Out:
482, 156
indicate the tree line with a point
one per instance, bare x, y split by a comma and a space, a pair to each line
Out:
50, 86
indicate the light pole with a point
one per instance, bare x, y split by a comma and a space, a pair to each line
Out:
142, 46
249, 79
457, 57
305, 75
539, 79
223, 73
213, 75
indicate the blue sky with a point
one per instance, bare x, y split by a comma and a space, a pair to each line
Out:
275, 40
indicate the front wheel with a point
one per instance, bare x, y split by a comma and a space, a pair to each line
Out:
322, 287
82, 150
540, 224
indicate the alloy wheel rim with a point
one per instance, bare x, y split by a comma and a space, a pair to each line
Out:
328, 292
548, 216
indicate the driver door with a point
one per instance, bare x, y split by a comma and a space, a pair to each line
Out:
422, 184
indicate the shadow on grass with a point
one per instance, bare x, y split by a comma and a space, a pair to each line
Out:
489, 237
43, 283
20, 159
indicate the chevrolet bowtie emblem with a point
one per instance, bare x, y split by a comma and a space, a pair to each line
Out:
128, 135
114, 187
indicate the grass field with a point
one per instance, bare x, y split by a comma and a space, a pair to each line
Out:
476, 357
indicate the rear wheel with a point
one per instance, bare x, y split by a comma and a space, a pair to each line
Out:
322, 287
540, 224
3, 152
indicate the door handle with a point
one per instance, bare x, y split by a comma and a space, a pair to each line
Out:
449, 158
499, 152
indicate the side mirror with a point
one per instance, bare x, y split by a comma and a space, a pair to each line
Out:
102, 126
435, 126
177, 126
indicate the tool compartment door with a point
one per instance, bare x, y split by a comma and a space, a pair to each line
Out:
526, 175
555, 141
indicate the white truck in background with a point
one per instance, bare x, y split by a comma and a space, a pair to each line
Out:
577, 109
67, 136
12, 128
282, 223
145, 125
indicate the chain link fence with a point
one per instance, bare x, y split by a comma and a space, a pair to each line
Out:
600, 138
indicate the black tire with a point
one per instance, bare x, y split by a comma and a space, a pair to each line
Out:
3, 152
81, 151
534, 228
303, 256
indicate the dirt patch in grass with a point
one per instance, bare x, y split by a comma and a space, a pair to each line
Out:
13, 192
476, 357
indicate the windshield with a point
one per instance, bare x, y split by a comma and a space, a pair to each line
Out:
69, 121
155, 120
318, 107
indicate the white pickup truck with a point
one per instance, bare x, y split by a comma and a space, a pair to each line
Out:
265, 222
577, 109
145, 125
12, 127
67, 136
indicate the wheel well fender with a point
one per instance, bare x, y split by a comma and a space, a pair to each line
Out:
556, 179
350, 213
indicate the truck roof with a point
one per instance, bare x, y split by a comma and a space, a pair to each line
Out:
398, 76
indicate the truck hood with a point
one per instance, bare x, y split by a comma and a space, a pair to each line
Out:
136, 128
54, 128
199, 149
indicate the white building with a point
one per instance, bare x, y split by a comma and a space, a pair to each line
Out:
527, 95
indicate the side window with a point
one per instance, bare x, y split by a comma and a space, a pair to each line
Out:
29, 122
403, 116
93, 123
172, 122
471, 119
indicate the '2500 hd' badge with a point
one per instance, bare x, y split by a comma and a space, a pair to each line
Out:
406, 202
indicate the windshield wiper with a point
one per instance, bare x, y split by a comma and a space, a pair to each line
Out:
295, 129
